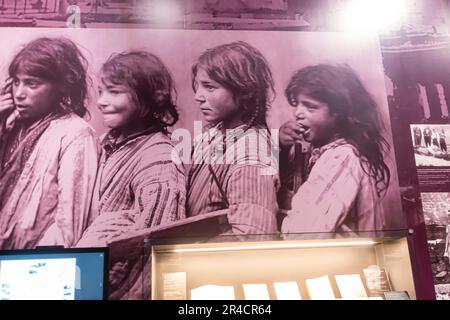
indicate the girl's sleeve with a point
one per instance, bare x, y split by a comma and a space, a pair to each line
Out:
76, 176
292, 175
160, 191
323, 202
252, 200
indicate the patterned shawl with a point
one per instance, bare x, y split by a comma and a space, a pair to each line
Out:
17, 161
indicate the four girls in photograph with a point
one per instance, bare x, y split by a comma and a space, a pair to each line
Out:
62, 184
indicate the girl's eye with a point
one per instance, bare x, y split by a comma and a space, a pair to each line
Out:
209, 88
309, 106
32, 84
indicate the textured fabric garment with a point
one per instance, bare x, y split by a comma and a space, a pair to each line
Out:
247, 179
293, 166
337, 196
138, 186
50, 201
16, 146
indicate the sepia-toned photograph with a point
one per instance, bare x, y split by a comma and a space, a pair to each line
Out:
126, 125
103, 139
436, 210
93, 13
430, 145
174, 14
442, 291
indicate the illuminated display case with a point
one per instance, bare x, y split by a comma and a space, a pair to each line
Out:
365, 267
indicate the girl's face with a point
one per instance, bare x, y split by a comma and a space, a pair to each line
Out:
33, 97
318, 124
117, 105
216, 102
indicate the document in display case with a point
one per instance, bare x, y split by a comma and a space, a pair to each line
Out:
174, 285
356, 268
256, 291
377, 280
213, 292
396, 295
287, 291
350, 286
320, 288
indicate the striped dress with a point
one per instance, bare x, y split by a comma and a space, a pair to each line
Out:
237, 172
138, 186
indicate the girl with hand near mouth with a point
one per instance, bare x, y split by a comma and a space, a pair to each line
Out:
346, 176
232, 85
139, 185
48, 153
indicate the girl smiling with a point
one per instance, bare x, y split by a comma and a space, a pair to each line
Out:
138, 185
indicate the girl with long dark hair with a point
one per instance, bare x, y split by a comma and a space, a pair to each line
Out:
48, 153
139, 185
346, 175
233, 86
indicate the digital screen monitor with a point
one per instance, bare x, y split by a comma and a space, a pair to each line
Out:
54, 274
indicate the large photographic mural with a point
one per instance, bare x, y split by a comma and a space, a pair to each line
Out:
108, 134
103, 137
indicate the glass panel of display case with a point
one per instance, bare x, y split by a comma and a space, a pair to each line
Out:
382, 264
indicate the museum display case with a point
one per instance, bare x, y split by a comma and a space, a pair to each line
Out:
302, 266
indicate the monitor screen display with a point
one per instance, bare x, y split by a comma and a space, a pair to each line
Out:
53, 274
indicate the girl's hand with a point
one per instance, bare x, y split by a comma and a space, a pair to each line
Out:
6, 98
290, 133
6, 102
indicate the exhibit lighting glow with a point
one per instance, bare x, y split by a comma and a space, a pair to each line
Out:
164, 11
369, 16
282, 245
